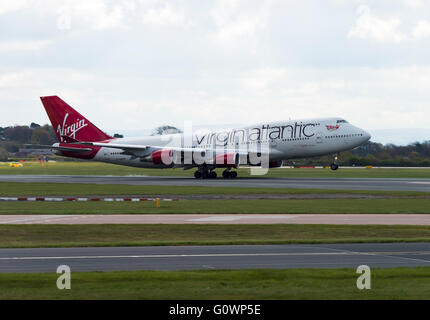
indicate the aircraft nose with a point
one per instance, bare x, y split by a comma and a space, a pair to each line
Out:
366, 136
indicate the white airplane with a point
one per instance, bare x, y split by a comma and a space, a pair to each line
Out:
265, 145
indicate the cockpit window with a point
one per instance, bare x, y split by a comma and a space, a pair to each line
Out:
341, 121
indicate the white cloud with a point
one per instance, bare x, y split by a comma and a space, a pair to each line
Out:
241, 27
421, 30
265, 94
7, 6
23, 45
353, 93
413, 3
370, 27
163, 16
97, 14
289, 59
262, 79
233, 21
13, 80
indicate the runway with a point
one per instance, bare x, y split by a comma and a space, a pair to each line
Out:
386, 184
216, 257
349, 219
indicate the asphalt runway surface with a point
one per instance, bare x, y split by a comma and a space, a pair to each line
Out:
386, 184
349, 219
216, 257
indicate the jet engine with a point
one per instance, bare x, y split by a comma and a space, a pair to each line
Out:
227, 160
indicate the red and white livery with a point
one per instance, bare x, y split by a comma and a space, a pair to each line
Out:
265, 144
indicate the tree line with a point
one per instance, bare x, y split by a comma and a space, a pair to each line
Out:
416, 154
13, 138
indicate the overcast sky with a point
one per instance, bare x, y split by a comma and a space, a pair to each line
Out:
131, 64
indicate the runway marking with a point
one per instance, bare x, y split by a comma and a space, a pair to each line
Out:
346, 253
312, 183
390, 255
393, 254
51, 199
353, 219
35, 219
179, 256
235, 218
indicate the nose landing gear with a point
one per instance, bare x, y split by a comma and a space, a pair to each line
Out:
334, 166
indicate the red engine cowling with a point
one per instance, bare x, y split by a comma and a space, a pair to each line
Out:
227, 160
275, 164
164, 157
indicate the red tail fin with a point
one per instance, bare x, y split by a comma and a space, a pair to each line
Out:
70, 125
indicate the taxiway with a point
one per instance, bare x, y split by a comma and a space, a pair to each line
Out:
216, 257
385, 184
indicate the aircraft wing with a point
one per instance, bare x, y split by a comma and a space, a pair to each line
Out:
66, 149
140, 150
137, 150
150, 148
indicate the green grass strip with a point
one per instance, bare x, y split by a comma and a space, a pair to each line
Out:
97, 168
146, 235
80, 189
291, 206
395, 283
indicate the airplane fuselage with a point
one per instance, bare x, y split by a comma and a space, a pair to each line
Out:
265, 144
284, 140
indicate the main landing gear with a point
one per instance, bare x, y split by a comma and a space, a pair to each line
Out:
206, 174
334, 165
226, 174
210, 174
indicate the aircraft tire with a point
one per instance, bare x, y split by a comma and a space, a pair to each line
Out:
212, 175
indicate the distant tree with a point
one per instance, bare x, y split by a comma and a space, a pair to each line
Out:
165, 129
34, 125
4, 155
367, 148
21, 134
41, 136
51, 132
10, 146
117, 135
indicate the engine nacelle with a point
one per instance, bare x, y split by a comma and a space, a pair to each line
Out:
227, 160
275, 164
162, 157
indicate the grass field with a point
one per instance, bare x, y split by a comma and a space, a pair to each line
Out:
396, 283
94, 168
258, 206
143, 235
78, 189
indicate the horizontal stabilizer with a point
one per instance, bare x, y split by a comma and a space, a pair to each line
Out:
67, 149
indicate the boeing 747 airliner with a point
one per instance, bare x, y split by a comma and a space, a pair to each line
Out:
265, 144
